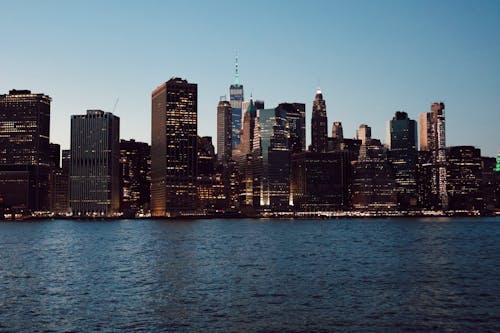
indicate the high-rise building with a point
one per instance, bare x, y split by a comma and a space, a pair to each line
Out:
364, 133
274, 156
24, 150
213, 183
373, 182
247, 132
59, 200
337, 131
488, 183
174, 138
433, 139
224, 132
402, 142
427, 195
58, 182
320, 181
319, 124
236, 98
425, 131
135, 177
54, 155
464, 176
95, 154
296, 122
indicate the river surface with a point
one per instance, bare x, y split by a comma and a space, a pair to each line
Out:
369, 275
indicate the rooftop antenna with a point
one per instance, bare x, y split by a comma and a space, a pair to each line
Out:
116, 103
237, 75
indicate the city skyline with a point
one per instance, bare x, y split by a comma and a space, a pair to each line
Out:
369, 61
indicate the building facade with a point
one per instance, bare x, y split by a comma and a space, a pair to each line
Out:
320, 181
174, 150
464, 178
135, 177
224, 132
94, 174
319, 124
24, 150
402, 142
433, 139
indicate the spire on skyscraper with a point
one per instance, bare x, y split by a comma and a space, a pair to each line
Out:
237, 75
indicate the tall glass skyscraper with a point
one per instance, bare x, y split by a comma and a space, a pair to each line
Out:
95, 155
174, 137
236, 97
24, 149
402, 140
319, 124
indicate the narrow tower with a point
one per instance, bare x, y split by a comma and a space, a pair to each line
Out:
236, 99
319, 123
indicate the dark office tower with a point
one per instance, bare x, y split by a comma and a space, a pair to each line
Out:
488, 183
320, 181
54, 155
58, 182
464, 175
296, 119
236, 99
402, 141
373, 183
337, 131
174, 148
135, 177
59, 199
427, 197
319, 124
497, 177
66, 160
95, 155
24, 150
433, 139
224, 132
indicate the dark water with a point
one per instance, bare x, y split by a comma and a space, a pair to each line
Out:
251, 276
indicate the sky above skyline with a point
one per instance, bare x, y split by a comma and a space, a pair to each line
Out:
370, 58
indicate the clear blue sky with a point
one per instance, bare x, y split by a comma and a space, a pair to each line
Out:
371, 58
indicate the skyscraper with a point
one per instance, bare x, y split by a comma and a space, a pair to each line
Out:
337, 131
373, 182
58, 182
224, 132
236, 97
174, 135
135, 176
24, 149
296, 123
432, 126
464, 176
364, 133
402, 141
320, 181
319, 124
95, 154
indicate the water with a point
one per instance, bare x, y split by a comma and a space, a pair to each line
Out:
251, 276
